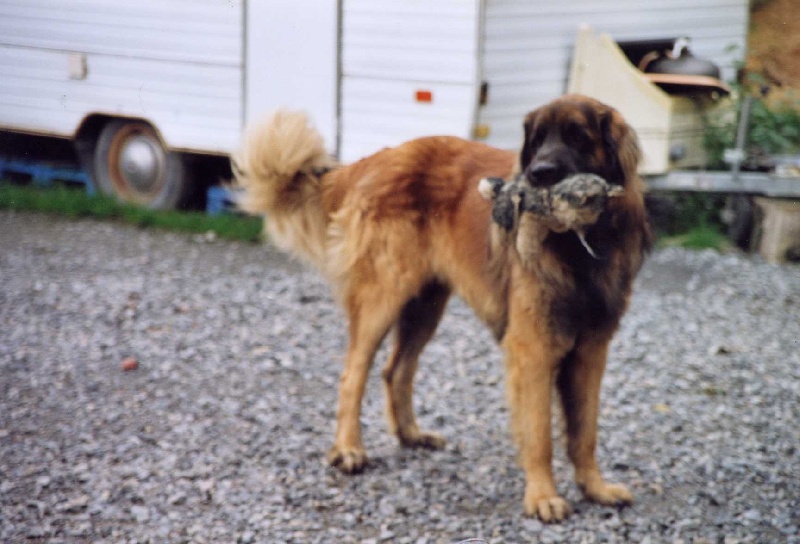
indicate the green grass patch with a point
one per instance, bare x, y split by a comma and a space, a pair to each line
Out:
690, 220
701, 236
77, 203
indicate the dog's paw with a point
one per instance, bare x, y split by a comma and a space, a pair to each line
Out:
608, 494
549, 509
349, 461
422, 439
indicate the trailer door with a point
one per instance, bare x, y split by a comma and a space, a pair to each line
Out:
291, 61
409, 69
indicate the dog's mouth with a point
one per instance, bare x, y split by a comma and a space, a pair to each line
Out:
547, 173
574, 203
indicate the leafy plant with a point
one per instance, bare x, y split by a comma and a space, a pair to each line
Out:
773, 127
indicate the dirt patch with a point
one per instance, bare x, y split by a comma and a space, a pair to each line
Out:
774, 46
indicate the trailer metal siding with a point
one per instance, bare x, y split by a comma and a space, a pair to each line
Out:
176, 63
394, 48
527, 46
291, 61
202, 31
198, 69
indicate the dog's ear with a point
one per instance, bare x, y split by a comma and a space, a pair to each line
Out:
526, 154
621, 148
623, 155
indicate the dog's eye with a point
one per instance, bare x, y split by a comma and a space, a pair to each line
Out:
578, 137
538, 138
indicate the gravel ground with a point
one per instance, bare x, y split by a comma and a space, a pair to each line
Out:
220, 434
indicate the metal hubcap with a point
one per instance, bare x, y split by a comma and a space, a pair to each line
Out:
141, 162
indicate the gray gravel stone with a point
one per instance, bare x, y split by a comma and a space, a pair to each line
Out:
220, 433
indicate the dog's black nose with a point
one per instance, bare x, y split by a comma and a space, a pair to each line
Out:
543, 173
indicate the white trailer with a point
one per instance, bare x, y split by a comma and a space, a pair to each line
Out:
146, 88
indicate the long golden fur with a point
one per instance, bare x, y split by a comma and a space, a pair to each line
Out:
397, 232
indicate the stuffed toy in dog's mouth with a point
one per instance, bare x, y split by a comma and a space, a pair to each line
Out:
574, 203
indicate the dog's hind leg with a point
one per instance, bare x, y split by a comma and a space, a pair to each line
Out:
370, 320
417, 324
579, 385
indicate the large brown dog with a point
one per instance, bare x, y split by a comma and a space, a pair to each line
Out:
398, 231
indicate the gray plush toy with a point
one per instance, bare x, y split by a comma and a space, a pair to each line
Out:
574, 203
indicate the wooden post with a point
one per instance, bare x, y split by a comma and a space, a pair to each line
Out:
780, 228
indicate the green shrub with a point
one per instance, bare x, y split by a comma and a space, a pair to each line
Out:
773, 128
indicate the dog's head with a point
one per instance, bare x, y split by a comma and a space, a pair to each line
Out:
575, 134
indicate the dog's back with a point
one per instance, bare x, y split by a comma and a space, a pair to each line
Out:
397, 219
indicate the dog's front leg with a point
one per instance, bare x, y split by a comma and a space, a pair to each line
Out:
532, 358
579, 385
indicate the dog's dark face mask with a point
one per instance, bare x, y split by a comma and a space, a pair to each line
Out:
568, 136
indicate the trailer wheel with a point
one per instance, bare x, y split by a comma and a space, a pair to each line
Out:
130, 163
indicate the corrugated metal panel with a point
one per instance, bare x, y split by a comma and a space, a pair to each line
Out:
381, 113
194, 106
411, 45
392, 48
528, 45
203, 31
176, 63
292, 61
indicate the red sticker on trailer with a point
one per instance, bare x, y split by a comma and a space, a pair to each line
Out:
424, 96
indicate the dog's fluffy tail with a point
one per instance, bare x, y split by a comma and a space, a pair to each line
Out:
278, 172
279, 164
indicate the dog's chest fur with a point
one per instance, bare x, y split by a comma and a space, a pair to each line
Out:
591, 296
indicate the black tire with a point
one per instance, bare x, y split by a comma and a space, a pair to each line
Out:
131, 164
